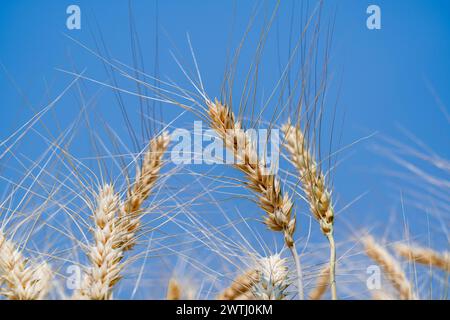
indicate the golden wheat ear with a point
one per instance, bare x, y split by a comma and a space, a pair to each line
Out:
104, 253
277, 206
240, 289
381, 295
22, 279
269, 280
424, 256
314, 186
274, 278
146, 177
173, 290
266, 186
390, 266
322, 284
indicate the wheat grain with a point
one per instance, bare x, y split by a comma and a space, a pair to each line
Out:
266, 185
381, 295
260, 180
105, 254
312, 178
22, 279
390, 266
146, 177
313, 182
424, 256
240, 287
323, 281
245, 296
273, 279
173, 290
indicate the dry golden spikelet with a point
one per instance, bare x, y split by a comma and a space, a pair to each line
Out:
381, 295
313, 180
322, 284
274, 278
266, 185
245, 296
424, 256
146, 176
105, 254
241, 286
22, 279
174, 290
390, 266
313, 183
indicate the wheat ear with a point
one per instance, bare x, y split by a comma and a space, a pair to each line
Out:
106, 253
173, 290
273, 279
241, 286
266, 185
22, 279
319, 197
323, 281
146, 177
381, 295
246, 296
390, 267
424, 256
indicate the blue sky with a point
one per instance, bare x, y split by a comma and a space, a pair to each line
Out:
391, 79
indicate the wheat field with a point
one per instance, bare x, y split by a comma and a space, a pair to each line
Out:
114, 197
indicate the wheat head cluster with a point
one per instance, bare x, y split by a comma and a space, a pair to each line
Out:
112, 231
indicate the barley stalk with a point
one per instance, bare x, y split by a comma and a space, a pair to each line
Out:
266, 185
424, 256
313, 182
146, 177
22, 279
390, 267
240, 287
323, 281
105, 253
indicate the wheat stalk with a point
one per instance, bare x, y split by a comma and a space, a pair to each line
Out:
319, 197
241, 286
390, 267
424, 256
266, 185
323, 281
146, 177
22, 279
273, 279
106, 253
